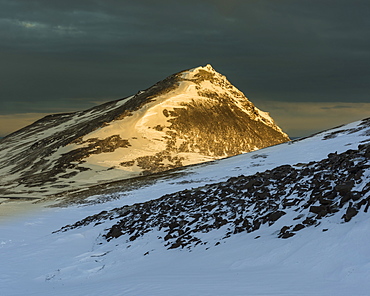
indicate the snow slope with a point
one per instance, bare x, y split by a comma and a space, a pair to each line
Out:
330, 257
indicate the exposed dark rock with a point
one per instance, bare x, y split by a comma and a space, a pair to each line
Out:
298, 227
244, 203
275, 216
309, 221
285, 233
350, 213
317, 209
115, 232
344, 188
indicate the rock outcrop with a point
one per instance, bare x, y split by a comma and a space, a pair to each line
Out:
307, 193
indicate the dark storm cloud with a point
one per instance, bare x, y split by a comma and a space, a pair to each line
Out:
65, 55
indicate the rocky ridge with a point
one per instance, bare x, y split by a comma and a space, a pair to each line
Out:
337, 186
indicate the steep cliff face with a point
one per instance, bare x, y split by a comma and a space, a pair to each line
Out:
190, 117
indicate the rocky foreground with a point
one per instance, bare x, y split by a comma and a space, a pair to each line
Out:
306, 192
271, 222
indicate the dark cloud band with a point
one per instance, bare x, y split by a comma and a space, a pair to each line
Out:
65, 54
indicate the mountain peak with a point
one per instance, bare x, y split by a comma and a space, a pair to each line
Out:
207, 67
207, 72
190, 117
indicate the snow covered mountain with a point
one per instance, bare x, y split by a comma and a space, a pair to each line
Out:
190, 117
292, 219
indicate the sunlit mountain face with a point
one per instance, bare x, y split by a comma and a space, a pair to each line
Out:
190, 117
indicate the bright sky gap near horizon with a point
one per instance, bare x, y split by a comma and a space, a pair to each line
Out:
306, 62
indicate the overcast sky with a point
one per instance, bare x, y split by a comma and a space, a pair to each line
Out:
307, 62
